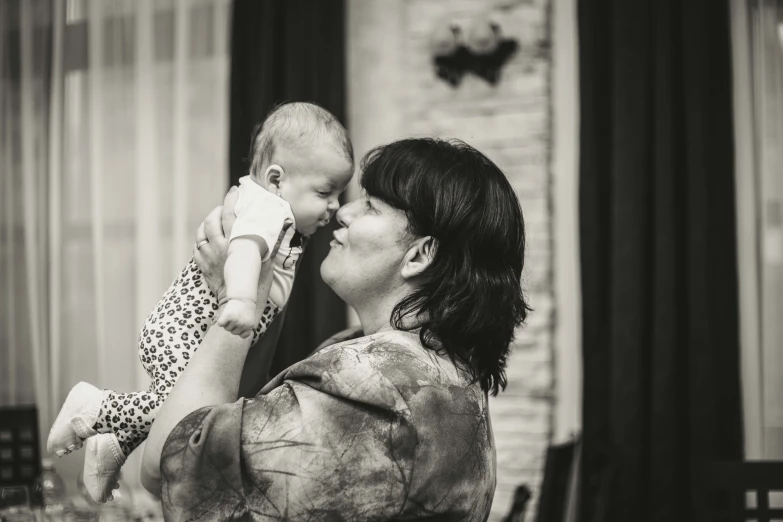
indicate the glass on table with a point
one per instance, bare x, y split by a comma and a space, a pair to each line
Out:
15, 505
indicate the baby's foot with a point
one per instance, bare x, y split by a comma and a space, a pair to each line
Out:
76, 418
102, 462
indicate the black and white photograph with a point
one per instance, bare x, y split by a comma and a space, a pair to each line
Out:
391, 260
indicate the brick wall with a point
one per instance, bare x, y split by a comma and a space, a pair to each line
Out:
392, 84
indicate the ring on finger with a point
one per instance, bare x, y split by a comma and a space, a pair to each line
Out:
201, 244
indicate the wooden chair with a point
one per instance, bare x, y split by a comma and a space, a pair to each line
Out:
20, 459
518, 505
556, 487
737, 491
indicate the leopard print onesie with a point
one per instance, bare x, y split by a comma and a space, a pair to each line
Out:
170, 336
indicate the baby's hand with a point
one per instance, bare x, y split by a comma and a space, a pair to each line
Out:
239, 317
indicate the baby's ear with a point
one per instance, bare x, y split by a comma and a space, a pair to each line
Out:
273, 175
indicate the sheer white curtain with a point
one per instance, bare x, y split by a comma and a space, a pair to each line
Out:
766, 31
25, 52
138, 146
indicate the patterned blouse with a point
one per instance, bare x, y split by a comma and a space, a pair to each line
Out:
375, 428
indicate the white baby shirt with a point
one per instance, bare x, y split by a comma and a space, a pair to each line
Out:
268, 216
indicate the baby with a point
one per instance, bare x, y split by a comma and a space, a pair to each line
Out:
302, 160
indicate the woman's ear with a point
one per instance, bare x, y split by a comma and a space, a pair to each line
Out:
419, 257
273, 175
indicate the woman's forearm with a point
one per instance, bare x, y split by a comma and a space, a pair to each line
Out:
211, 378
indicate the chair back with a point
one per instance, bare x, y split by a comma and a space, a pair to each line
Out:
738, 491
20, 459
518, 505
558, 472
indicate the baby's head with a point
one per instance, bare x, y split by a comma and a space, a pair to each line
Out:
303, 153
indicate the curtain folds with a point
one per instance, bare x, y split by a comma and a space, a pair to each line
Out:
25, 65
658, 249
766, 31
113, 148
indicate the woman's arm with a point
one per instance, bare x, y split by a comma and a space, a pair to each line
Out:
211, 378
332, 438
213, 374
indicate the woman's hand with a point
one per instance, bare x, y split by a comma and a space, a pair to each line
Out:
211, 256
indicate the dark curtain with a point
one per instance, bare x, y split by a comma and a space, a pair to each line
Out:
289, 51
658, 249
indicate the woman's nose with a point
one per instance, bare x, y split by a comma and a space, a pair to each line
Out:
333, 205
345, 214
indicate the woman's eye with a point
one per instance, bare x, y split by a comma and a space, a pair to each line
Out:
324, 194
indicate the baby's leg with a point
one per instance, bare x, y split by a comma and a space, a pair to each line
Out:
170, 336
175, 328
129, 416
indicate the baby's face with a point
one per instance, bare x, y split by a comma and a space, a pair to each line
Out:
312, 186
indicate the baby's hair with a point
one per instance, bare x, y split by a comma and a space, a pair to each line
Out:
297, 124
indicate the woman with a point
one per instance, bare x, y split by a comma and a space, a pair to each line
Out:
393, 424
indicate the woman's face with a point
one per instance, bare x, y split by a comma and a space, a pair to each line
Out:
366, 253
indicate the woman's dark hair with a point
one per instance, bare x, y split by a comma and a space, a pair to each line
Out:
471, 300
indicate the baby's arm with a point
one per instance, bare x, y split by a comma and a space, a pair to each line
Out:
242, 270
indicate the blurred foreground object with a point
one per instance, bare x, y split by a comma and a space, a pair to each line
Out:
15, 505
50, 488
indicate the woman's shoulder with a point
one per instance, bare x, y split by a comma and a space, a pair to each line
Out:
436, 394
384, 365
399, 354
419, 392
